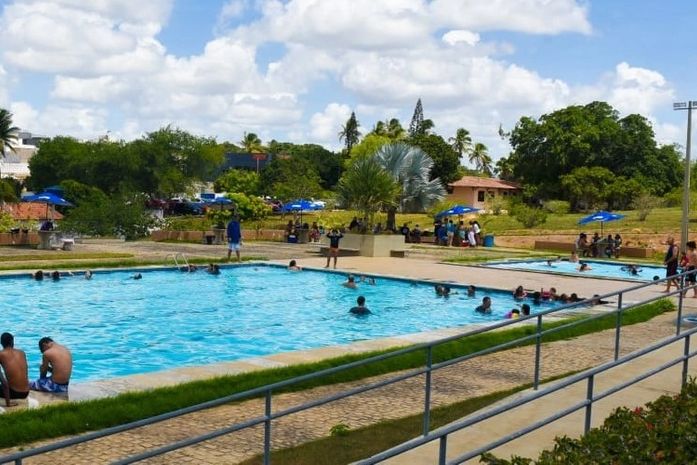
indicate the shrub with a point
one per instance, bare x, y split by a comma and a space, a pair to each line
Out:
557, 207
340, 429
674, 198
528, 216
495, 204
644, 204
6, 222
664, 431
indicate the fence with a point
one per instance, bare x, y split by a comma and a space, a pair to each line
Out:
429, 366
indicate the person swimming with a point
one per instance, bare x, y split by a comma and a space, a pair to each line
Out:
213, 269
368, 279
485, 307
631, 269
442, 291
584, 267
360, 308
88, 274
350, 282
471, 290
525, 309
38, 275
519, 293
293, 266
56, 276
513, 314
137, 276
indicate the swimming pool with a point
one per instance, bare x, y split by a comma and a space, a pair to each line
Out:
117, 326
599, 269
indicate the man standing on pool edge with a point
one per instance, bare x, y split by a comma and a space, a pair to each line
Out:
234, 237
58, 361
334, 237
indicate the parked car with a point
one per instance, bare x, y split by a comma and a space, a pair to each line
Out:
184, 207
276, 205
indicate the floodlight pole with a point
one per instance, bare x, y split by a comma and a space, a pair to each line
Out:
684, 226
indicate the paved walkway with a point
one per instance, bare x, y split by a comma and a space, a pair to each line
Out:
477, 377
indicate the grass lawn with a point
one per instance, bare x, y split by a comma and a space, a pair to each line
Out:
659, 221
72, 418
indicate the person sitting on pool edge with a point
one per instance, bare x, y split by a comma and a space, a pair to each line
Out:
360, 309
293, 266
485, 307
58, 361
350, 282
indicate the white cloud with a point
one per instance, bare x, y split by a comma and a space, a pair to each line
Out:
80, 121
461, 36
325, 126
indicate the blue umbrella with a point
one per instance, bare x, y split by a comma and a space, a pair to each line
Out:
48, 198
601, 216
457, 210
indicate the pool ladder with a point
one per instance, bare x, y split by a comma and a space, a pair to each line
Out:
176, 257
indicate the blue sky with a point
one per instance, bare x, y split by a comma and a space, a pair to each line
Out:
294, 70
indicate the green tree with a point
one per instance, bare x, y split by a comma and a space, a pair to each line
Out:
251, 143
117, 215
327, 164
446, 163
395, 131
586, 136
8, 133
243, 181
410, 167
250, 207
367, 147
479, 156
416, 127
587, 187
462, 142
349, 133
291, 178
367, 187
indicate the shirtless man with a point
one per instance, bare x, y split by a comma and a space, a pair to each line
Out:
13, 377
57, 360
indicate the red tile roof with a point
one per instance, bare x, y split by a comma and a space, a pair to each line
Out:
488, 183
30, 211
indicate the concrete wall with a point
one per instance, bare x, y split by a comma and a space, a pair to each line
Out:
198, 236
31, 238
370, 245
636, 252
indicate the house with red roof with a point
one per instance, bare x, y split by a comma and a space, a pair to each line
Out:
473, 190
30, 211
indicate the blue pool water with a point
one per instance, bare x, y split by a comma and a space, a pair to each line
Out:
599, 269
118, 326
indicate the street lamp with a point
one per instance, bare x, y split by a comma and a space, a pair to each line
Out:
684, 226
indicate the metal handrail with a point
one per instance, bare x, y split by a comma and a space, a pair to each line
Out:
588, 375
427, 370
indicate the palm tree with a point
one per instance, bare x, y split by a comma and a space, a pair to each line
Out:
479, 156
8, 133
462, 142
367, 187
349, 133
379, 129
410, 167
252, 144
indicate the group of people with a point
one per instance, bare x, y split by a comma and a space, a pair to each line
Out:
292, 231
54, 373
449, 233
676, 263
596, 246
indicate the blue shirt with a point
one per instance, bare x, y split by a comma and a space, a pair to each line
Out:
234, 233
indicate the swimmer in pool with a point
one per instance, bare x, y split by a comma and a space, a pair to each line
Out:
350, 282
485, 307
584, 267
360, 309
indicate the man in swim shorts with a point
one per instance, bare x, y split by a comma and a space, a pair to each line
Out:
14, 380
57, 360
234, 237
334, 237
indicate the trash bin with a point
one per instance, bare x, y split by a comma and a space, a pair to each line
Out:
489, 240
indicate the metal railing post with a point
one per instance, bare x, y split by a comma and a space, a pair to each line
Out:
589, 407
442, 447
686, 361
618, 326
427, 391
680, 302
18, 462
538, 349
267, 428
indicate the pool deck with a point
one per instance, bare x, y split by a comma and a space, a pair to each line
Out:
480, 376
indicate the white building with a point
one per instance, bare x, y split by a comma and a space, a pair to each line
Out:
15, 164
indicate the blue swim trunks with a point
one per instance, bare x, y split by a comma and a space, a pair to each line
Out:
48, 385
